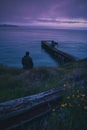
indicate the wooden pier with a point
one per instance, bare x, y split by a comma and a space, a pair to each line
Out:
17, 112
49, 46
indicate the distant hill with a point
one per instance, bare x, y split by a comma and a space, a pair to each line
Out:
8, 25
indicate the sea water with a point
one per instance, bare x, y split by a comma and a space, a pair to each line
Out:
15, 41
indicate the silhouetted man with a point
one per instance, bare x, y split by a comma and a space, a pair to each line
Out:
27, 61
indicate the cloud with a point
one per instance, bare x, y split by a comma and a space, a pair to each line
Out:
43, 11
48, 20
76, 9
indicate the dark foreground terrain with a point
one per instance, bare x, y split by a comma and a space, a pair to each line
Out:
71, 113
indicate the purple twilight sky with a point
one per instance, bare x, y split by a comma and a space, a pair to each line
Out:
64, 13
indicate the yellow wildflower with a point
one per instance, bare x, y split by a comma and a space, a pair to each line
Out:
68, 97
64, 105
64, 85
78, 91
85, 107
83, 95
53, 110
73, 95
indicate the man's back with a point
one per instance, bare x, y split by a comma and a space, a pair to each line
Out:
27, 62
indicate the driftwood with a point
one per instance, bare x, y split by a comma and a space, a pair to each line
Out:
24, 109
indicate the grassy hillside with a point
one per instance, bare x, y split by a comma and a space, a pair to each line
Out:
71, 113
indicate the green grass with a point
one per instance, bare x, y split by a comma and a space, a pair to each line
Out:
15, 83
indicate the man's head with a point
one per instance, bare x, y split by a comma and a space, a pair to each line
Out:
27, 53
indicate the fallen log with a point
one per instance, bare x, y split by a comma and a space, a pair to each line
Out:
22, 110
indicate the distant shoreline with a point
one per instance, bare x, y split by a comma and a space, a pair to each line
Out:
7, 25
42, 27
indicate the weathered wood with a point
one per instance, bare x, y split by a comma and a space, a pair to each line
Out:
27, 108
56, 52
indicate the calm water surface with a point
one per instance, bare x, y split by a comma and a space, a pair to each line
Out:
15, 41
